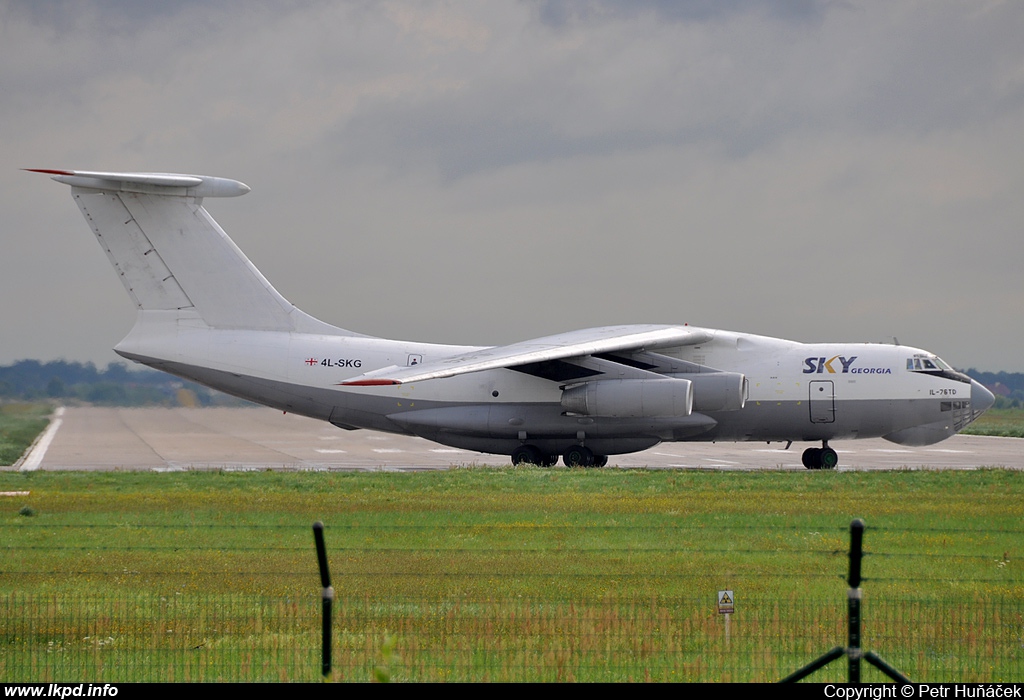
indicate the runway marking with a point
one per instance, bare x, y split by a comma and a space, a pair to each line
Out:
331, 452
38, 450
390, 450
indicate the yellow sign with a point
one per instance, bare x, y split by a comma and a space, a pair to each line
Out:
726, 603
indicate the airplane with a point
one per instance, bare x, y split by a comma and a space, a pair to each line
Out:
205, 313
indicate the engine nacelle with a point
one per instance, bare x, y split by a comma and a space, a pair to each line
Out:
630, 398
718, 391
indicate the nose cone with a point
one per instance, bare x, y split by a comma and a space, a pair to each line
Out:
981, 399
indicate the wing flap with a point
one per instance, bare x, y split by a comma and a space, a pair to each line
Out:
580, 343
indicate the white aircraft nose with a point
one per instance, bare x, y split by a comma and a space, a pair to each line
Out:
981, 398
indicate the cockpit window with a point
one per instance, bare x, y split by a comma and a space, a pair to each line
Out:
923, 363
934, 367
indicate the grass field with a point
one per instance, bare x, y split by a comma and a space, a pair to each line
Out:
506, 574
535, 532
1002, 422
20, 423
503, 574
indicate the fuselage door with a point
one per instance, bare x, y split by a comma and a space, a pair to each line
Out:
823, 402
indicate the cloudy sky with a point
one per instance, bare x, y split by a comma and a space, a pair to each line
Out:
486, 172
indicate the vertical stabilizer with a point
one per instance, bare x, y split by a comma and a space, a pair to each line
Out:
172, 256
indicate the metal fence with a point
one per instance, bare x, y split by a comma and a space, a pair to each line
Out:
118, 637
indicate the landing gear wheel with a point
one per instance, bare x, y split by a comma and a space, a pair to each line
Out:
578, 456
812, 458
528, 454
550, 461
600, 460
828, 459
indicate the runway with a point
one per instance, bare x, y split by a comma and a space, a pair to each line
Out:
163, 439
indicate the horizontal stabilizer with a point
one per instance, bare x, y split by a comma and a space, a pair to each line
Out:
590, 341
149, 183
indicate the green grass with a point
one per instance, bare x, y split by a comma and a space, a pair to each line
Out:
1001, 422
507, 574
20, 423
527, 531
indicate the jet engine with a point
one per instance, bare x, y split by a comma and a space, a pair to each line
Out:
630, 398
718, 391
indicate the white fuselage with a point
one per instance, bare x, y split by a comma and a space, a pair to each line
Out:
796, 391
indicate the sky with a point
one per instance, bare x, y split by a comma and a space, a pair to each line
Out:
488, 172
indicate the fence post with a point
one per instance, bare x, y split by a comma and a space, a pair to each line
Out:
852, 651
326, 598
853, 597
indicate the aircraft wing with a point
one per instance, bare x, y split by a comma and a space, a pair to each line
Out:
580, 343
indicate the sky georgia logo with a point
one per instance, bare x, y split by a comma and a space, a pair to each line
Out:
838, 364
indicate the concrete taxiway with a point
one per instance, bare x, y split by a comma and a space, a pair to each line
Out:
89, 438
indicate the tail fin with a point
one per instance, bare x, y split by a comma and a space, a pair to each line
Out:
171, 255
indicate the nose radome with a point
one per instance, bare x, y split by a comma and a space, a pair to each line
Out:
981, 398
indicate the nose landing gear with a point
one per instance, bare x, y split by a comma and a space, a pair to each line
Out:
823, 457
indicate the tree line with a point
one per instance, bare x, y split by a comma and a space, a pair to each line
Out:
115, 385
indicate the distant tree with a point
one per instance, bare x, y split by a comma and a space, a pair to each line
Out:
56, 388
1014, 381
106, 393
118, 372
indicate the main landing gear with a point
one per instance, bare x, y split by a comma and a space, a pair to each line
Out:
531, 454
823, 457
580, 456
576, 456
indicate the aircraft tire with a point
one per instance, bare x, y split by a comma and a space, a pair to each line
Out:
528, 454
578, 456
550, 460
828, 459
600, 460
812, 458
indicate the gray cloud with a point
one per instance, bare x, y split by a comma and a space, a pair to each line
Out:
566, 12
487, 172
